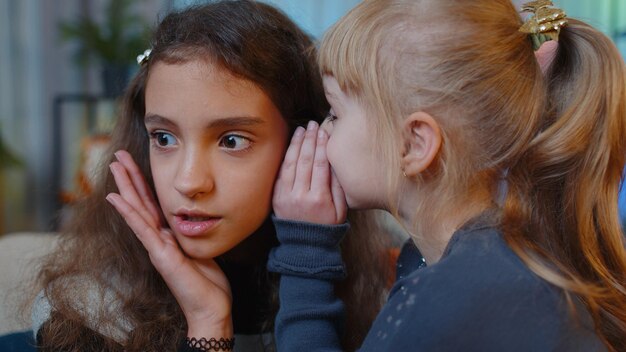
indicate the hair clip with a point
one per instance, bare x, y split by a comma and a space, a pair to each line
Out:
545, 22
143, 58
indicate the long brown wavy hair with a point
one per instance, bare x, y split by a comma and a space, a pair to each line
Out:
556, 140
105, 293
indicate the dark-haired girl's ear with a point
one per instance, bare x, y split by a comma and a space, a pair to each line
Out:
422, 141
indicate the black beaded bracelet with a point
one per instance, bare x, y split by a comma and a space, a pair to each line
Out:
211, 344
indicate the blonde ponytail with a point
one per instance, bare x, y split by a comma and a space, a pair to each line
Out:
567, 183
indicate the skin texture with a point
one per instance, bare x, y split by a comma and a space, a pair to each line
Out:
215, 148
332, 167
350, 149
306, 190
357, 175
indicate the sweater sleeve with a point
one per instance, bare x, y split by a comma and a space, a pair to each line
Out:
309, 261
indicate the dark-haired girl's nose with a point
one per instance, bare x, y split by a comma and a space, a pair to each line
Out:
194, 176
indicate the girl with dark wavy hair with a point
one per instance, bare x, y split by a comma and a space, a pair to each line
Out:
194, 156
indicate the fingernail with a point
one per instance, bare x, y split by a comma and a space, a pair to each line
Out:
312, 125
321, 134
299, 131
109, 198
117, 156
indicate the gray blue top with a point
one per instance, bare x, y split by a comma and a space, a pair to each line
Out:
479, 297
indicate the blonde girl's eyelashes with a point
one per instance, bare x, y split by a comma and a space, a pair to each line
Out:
162, 139
235, 142
330, 116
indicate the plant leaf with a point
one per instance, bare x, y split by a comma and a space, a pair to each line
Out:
118, 40
7, 158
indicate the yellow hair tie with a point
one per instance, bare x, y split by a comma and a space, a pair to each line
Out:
545, 22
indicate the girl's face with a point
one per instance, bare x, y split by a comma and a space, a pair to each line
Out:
216, 143
351, 151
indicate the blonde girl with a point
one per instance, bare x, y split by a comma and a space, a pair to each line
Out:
503, 163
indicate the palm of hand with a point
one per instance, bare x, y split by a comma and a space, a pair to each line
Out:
199, 286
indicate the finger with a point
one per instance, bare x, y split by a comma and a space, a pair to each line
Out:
288, 169
163, 250
138, 180
211, 270
129, 192
320, 178
146, 233
339, 198
168, 237
305, 161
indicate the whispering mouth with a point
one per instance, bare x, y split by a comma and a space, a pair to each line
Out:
196, 218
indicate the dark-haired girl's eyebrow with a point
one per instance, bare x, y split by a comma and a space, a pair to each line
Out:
157, 119
235, 121
223, 122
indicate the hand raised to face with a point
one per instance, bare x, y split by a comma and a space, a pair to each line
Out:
306, 189
200, 287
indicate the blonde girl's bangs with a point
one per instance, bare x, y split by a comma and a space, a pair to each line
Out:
358, 53
337, 54
350, 48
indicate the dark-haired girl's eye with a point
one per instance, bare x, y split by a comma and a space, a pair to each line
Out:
162, 139
235, 142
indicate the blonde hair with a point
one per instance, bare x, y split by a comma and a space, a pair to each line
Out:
557, 140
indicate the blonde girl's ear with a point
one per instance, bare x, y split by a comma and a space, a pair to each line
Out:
422, 142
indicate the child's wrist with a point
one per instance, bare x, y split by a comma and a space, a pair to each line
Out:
210, 329
203, 344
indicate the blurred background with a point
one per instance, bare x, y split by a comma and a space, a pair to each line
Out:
64, 63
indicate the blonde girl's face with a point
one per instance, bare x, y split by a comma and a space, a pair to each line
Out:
351, 150
216, 143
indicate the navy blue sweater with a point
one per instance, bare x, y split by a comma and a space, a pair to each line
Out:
479, 297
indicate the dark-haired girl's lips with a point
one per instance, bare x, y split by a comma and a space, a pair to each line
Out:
193, 226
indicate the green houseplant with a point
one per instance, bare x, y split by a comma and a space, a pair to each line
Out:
7, 160
113, 42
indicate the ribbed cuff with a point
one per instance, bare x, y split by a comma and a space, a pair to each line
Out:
308, 250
